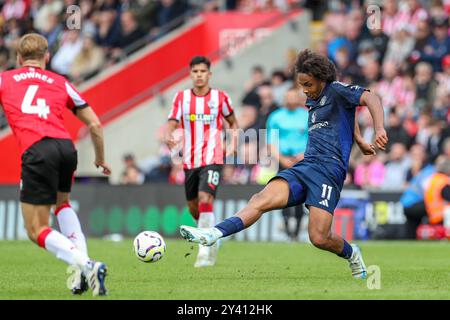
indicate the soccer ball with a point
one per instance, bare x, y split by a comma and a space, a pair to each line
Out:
149, 246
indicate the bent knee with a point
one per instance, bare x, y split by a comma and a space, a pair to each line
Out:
318, 239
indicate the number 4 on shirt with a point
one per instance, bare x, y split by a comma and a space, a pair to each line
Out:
41, 109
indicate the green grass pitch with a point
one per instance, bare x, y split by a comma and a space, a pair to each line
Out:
260, 271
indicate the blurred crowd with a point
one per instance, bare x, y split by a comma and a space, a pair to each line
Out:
406, 62
93, 35
405, 59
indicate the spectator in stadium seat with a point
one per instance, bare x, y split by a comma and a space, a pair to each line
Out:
396, 132
14, 9
379, 40
425, 86
423, 127
366, 52
70, 47
394, 89
436, 139
439, 43
168, 16
266, 105
391, 16
414, 13
441, 104
418, 161
130, 34
145, 12
257, 78
161, 172
446, 147
348, 68
400, 44
370, 73
396, 167
88, 61
280, 85
421, 36
41, 21
106, 5
131, 174
248, 117
369, 173
108, 30
52, 32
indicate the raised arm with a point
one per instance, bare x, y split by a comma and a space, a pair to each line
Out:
90, 119
375, 107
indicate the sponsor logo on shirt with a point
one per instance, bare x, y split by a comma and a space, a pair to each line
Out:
318, 125
200, 117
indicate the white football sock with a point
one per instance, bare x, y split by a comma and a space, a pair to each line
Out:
207, 220
70, 226
63, 249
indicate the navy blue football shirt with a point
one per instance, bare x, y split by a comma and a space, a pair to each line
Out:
331, 123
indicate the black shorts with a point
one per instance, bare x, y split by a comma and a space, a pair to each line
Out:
206, 179
47, 167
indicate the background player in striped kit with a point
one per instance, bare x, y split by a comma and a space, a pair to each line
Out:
200, 112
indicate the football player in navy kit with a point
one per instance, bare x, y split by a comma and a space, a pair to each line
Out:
318, 179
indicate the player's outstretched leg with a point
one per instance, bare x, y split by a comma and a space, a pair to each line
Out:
274, 196
320, 234
36, 218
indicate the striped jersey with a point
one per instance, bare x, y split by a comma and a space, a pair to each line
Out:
201, 118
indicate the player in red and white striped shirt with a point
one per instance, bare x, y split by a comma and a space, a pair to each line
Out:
200, 112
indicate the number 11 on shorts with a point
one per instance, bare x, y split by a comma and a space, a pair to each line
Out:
324, 191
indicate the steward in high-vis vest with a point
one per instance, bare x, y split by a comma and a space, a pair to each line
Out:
437, 199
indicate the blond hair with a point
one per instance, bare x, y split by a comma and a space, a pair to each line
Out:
32, 46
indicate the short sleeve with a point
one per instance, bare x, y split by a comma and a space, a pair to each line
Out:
75, 101
227, 106
351, 94
175, 112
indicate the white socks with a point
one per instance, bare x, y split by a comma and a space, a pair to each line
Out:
70, 226
63, 248
206, 220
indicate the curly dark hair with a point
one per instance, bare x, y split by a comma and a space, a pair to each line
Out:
316, 65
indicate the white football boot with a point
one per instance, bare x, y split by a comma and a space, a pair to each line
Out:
96, 279
204, 236
78, 281
356, 263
